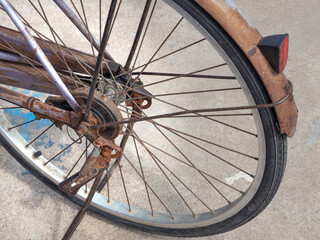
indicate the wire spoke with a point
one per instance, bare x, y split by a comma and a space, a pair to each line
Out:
171, 53
156, 52
180, 151
151, 189
206, 141
83, 153
70, 145
211, 119
138, 34
87, 27
187, 164
184, 75
124, 185
100, 57
145, 32
43, 132
7, 108
177, 77
212, 154
157, 161
174, 145
81, 63
142, 173
59, 47
191, 92
162, 57
19, 125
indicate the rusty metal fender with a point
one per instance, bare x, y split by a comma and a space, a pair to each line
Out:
247, 38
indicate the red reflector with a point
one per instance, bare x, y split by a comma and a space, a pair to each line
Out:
283, 54
275, 49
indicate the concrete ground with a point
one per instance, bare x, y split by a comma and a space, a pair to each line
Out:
30, 210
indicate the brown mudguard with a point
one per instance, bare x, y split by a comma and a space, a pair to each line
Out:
247, 38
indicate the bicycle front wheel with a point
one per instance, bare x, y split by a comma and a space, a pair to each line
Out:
191, 175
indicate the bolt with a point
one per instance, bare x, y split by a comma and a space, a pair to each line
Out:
101, 164
110, 93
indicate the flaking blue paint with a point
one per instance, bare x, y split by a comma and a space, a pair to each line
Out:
18, 116
26, 173
234, 6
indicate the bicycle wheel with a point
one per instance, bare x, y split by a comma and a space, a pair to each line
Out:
189, 175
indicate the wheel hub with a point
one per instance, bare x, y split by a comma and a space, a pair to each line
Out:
103, 111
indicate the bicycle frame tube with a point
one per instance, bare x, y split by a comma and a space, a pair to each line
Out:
41, 56
247, 37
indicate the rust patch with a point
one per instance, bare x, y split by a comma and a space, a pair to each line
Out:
58, 55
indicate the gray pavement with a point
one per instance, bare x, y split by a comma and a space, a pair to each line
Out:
30, 210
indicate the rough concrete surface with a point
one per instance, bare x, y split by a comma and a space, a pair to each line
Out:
30, 210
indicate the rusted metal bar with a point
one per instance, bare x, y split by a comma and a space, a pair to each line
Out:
247, 38
36, 106
33, 46
27, 77
73, 57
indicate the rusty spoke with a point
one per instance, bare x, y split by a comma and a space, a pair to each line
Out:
64, 149
7, 108
145, 32
19, 125
100, 57
187, 164
156, 52
197, 113
206, 141
138, 34
83, 65
85, 152
59, 47
151, 189
87, 27
190, 92
43, 132
156, 161
184, 75
162, 57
